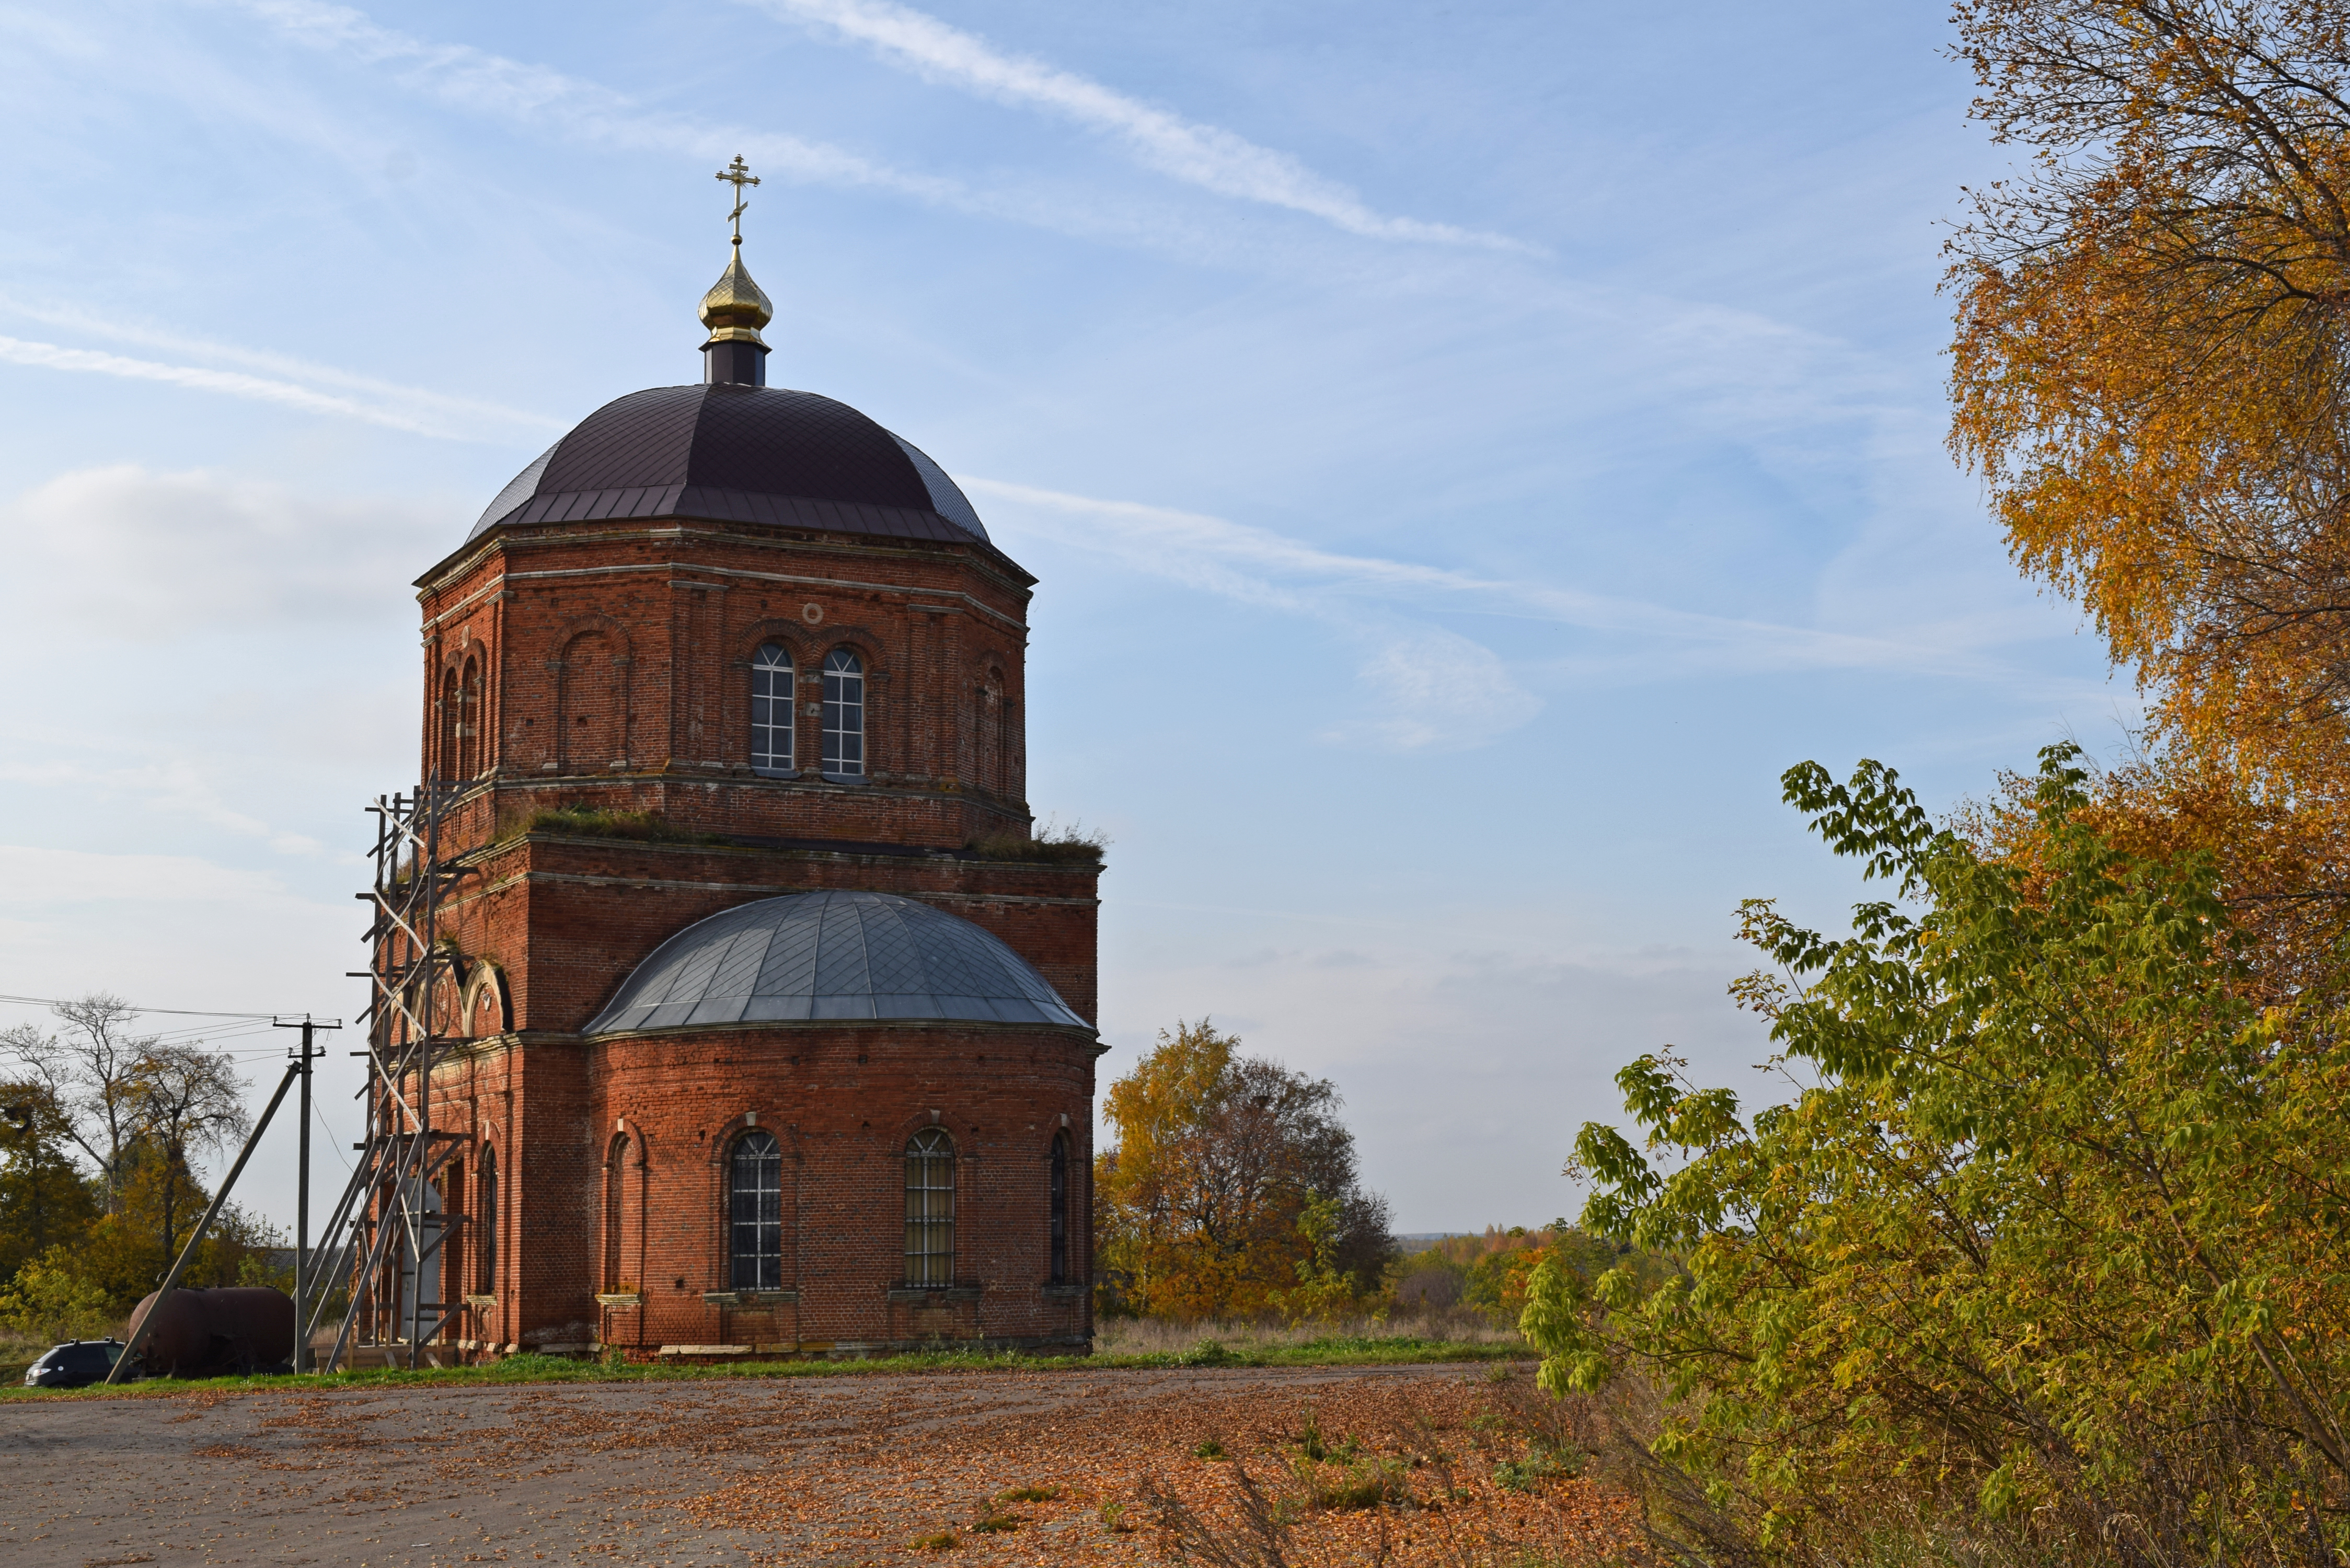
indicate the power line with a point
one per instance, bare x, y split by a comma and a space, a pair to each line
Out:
181, 1011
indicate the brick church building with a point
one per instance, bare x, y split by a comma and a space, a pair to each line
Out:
776, 1025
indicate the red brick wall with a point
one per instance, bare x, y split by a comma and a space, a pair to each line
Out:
619, 653
658, 1114
608, 666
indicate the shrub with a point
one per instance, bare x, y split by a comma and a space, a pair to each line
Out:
2049, 1252
50, 1301
1541, 1465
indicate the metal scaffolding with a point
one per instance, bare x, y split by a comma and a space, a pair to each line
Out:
397, 1231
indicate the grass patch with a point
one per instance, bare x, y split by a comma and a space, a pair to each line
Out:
937, 1540
1051, 845
1368, 1483
1349, 1351
1543, 1463
1211, 1450
590, 822
1029, 1494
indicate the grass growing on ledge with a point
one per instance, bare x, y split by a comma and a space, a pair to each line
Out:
1336, 1350
1052, 845
590, 822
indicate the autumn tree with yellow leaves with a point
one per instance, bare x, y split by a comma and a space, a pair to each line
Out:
1233, 1190
2152, 364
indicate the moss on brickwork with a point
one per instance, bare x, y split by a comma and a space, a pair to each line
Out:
586, 822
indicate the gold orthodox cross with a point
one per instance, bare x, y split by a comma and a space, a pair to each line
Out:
738, 174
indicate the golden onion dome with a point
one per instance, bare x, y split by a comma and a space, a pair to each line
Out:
735, 307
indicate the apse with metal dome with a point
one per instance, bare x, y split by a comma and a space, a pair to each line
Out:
776, 1022
808, 956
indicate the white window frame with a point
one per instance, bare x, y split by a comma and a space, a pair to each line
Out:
844, 714
774, 707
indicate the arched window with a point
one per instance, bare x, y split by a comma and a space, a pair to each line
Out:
844, 714
755, 1189
469, 722
485, 1245
453, 723
616, 1177
929, 1209
772, 698
1059, 1201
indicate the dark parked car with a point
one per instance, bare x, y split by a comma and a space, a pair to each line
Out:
75, 1365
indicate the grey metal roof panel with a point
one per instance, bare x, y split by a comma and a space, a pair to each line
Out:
833, 955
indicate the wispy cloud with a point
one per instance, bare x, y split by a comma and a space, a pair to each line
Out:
493, 85
150, 557
173, 787
1436, 688
416, 405
230, 383
34, 876
1432, 686
551, 102
1207, 156
1257, 566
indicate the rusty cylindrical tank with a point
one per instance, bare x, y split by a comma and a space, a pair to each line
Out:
218, 1333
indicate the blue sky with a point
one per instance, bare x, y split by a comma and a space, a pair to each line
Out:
1468, 453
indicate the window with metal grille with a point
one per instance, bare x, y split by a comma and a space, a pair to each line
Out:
487, 1226
1059, 1204
757, 1192
773, 697
929, 1209
844, 714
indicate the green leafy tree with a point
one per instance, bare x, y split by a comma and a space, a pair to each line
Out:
51, 1299
44, 1198
2048, 1254
1323, 1290
124, 1255
184, 1099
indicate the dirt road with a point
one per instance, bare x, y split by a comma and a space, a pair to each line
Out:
842, 1470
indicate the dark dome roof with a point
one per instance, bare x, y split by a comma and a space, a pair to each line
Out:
738, 454
832, 955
